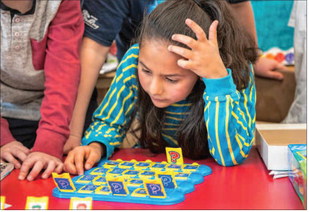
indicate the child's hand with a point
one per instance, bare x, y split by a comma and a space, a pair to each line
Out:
90, 154
204, 57
14, 152
36, 162
72, 142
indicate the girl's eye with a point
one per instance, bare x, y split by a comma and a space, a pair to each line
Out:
146, 71
171, 80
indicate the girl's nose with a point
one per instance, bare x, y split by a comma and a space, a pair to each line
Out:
156, 87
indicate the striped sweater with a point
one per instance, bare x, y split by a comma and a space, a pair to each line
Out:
229, 114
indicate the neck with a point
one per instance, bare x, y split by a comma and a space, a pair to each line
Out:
22, 6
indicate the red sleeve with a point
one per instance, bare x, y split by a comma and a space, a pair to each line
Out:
62, 74
6, 136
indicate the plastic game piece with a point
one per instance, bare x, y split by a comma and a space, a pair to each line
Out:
168, 180
117, 186
142, 165
86, 178
139, 192
100, 171
103, 190
80, 203
130, 173
154, 188
88, 189
135, 182
182, 176
5, 169
63, 182
126, 165
173, 167
174, 155
116, 171
99, 180
37, 203
158, 166
190, 167
147, 174
2, 202
111, 164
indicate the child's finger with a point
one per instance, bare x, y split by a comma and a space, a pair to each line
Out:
199, 32
59, 168
69, 165
36, 169
186, 53
79, 162
213, 31
25, 168
91, 160
10, 158
190, 42
49, 169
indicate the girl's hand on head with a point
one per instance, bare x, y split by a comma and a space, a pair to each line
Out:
14, 152
203, 57
83, 157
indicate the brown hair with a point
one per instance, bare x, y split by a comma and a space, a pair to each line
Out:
237, 50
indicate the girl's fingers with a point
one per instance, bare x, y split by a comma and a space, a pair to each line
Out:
69, 165
92, 159
11, 159
186, 53
213, 31
36, 169
199, 32
50, 168
79, 162
188, 41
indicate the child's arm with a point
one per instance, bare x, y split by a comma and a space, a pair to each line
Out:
62, 72
229, 114
230, 119
114, 113
93, 56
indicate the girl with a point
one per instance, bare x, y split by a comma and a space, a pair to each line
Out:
186, 89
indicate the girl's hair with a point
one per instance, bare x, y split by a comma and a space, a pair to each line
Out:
237, 50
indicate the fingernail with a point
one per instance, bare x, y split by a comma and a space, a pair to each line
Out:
21, 177
30, 178
44, 176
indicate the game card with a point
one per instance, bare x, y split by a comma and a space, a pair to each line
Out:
88, 188
80, 203
117, 186
167, 180
2, 202
155, 188
139, 192
103, 190
174, 155
63, 182
37, 203
86, 178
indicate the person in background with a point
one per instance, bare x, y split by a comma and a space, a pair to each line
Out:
109, 20
190, 83
298, 110
40, 72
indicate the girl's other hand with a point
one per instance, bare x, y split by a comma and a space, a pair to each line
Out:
14, 152
88, 155
203, 57
38, 161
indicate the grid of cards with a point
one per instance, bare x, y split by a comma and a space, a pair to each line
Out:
134, 181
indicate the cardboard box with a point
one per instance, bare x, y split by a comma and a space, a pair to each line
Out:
298, 164
272, 142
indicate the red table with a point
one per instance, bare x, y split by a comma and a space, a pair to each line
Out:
247, 186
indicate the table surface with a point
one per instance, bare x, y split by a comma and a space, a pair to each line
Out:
246, 186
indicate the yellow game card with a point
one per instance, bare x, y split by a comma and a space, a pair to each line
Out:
81, 203
64, 182
2, 202
38, 203
174, 155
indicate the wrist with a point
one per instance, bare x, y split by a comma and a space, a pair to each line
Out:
98, 147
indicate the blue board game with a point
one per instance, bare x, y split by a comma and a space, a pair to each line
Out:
147, 182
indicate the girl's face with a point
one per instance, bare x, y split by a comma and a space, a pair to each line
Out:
160, 76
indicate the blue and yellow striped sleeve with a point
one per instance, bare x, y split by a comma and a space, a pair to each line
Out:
117, 106
230, 119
